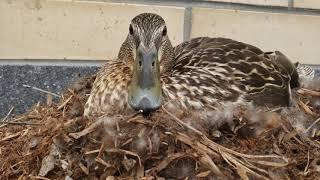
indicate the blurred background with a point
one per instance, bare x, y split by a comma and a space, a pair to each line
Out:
48, 44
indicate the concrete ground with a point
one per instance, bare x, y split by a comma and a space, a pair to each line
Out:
51, 78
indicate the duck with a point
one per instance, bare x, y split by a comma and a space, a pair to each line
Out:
203, 72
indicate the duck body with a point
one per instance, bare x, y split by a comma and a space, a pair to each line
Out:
204, 73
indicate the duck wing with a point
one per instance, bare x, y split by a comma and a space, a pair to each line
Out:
211, 71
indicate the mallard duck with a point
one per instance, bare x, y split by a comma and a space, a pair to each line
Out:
200, 73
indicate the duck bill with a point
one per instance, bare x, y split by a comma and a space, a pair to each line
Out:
145, 87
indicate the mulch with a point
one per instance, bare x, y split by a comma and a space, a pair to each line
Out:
54, 141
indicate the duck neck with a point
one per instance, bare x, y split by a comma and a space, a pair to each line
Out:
167, 58
126, 54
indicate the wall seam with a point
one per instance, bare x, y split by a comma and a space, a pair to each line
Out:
290, 4
187, 23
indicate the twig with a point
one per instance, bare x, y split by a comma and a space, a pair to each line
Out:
205, 159
241, 168
125, 152
275, 109
103, 162
164, 163
92, 152
87, 130
20, 123
14, 120
308, 92
39, 177
41, 90
150, 145
95, 125
101, 150
127, 142
116, 151
16, 164
305, 107
307, 166
183, 123
65, 103
195, 144
8, 114
84, 168
314, 123
11, 136
137, 119
291, 134
203, 174
49, 100
6, 117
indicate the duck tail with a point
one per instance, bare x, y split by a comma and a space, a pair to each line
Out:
289, 67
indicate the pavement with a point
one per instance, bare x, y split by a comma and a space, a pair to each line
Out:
50, 78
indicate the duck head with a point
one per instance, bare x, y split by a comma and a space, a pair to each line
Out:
149, 50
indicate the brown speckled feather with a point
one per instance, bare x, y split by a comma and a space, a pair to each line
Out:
110, 90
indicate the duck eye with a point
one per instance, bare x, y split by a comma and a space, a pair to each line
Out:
152, 64
164, 31
130, 29
140, 64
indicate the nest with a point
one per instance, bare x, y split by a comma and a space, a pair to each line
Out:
54, 141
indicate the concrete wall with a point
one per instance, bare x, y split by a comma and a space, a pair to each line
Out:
94, 30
